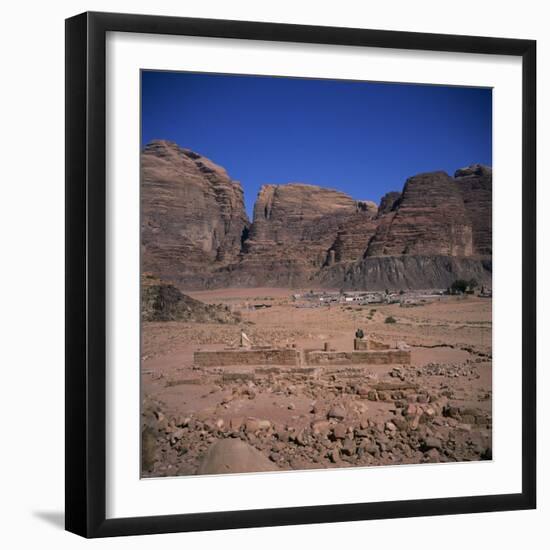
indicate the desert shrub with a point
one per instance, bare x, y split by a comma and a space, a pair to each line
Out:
460, 285
390, 320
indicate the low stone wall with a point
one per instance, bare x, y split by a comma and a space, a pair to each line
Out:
225, 358
363, 344
380, 357
374, 345
291, 357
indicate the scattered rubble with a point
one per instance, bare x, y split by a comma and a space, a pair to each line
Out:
354, 418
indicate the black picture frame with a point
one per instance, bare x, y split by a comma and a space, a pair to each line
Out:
86, 274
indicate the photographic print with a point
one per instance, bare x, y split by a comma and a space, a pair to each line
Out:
316, 274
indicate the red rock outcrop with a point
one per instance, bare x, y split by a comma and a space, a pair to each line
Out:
388, 202
295, 212
192, 212
438, 230
352, 239
294, 226
476, 184
431, 219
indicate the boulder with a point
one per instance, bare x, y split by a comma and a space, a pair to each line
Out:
337, 413
339, 431
148, 449
231, 456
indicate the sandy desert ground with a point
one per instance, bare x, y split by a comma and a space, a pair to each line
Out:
198, 420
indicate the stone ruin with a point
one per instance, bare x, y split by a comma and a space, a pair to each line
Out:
252, 356
368, 344
366, 351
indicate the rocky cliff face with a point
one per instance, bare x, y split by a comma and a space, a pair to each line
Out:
352, 239
431, 219
296, 213
476, 184
293, 227
388, 202
195, 230
192, 213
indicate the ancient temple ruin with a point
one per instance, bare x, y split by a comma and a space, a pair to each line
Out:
366, 351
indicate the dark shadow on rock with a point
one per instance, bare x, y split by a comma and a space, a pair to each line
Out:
57, 519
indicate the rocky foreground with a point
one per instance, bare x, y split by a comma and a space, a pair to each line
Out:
211, 419
329, 418
195, 231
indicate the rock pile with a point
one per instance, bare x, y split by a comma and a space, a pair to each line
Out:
353, 419
164, 302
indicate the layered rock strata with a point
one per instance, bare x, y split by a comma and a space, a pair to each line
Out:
431, 219
192, 212
195, 231
476, 184
294, 226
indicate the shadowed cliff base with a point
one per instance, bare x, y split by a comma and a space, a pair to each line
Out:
407, 272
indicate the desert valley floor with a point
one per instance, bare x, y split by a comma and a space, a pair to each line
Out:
201, 420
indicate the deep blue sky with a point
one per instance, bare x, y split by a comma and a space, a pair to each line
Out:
359, 137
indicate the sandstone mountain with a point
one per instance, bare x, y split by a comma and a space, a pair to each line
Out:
294, 226
195, 231
431, 219
192, 212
